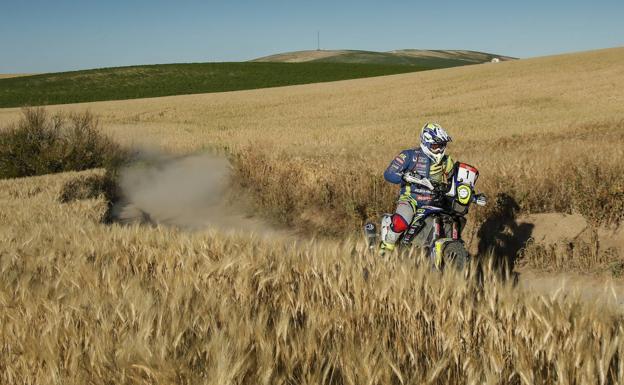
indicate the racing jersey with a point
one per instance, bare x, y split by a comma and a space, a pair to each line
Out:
415, 160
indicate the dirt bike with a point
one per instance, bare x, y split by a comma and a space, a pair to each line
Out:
437, 227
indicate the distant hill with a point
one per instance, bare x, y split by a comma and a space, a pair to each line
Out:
176, 79
429, 59
6, 76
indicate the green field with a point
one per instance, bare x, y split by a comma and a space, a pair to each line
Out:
177, 79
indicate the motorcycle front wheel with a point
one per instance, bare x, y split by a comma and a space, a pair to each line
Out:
455, 254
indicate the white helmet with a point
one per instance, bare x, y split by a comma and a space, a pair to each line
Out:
433, 140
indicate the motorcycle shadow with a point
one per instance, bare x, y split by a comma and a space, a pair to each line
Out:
501, 238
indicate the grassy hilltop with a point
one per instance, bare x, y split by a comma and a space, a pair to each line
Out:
177, 79
414, 57
143, 305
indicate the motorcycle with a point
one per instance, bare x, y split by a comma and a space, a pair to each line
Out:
436, 228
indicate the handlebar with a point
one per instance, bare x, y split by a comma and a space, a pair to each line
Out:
440, 190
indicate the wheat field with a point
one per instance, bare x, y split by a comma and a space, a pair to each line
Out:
82, 301
521, 123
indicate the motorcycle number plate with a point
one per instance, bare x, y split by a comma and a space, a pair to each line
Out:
467, 174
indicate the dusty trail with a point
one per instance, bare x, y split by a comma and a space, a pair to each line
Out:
602, 290
191, 193
558, 230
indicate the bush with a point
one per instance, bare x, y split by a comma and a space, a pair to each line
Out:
90, 187
41, 143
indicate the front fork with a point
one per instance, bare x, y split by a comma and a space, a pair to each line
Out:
438, 233
439, 229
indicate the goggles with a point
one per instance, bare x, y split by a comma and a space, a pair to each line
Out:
437, 147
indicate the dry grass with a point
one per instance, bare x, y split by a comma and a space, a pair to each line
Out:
86, 303
581, 256
6, 76
82, 302
547, 131
301, 56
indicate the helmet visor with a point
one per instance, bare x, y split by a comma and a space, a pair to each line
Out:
437, 148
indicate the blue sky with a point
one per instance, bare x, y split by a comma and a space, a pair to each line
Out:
45, 36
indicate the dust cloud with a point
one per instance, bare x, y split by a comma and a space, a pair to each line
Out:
191, 193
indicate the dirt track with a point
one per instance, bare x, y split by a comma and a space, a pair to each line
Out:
598, 289
557, 228
551, 228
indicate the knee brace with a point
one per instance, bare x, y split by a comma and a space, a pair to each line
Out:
398, 224
391, 228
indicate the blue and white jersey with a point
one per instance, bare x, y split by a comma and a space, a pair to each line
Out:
415, 160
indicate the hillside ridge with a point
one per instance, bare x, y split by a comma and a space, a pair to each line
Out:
399, 56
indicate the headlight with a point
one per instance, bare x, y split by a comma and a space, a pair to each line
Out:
463, 194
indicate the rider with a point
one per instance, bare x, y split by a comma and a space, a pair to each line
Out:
415, 169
